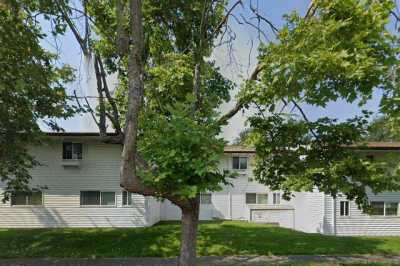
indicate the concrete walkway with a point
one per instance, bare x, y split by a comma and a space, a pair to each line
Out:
218, 261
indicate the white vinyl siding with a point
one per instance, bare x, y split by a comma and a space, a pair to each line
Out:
98, 171
361, 223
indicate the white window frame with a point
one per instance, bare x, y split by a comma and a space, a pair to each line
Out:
72, 143
276, 198
384, 209
239, 157
257, 198
129, 195
391, 202
29, 205
202, 197
100, 199
345, 202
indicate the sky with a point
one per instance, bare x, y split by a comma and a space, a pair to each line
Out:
236, 68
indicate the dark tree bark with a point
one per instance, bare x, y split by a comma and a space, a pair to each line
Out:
190, 220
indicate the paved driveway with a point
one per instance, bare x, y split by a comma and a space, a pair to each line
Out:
218, 261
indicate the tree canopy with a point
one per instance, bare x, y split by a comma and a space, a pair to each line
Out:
31, 91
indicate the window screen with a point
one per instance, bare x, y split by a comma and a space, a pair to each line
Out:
391, 208
239, 163
107, 198
90, 198
251, 198
27, 198
205, 198
277, 198
378, 208
72, 151
262, 198
126, 198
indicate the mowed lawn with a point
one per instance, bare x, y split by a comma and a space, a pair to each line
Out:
162, 240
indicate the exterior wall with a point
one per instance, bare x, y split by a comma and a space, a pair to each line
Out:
359, 223
153, 211
99, 170
230, 203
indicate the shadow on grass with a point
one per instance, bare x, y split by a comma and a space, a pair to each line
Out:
214, 239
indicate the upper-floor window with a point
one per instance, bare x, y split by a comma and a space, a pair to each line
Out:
239, 163
344, 208
72, 151
205, 198
256, 198
97, 198
27, 198
277, 198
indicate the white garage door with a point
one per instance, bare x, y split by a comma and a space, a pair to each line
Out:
283, 218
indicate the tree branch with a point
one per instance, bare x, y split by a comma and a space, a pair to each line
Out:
240, 103
115, 119
81, 41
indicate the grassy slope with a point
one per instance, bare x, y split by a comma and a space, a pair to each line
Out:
215, 238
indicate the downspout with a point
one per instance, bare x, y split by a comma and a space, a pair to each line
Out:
334, 215
230, 205
323, 212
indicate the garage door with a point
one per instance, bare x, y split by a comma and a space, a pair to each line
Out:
283, 218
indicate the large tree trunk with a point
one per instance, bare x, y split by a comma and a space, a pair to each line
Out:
190, 220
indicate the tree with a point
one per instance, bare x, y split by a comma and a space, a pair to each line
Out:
165, 107
31, 90
383, 128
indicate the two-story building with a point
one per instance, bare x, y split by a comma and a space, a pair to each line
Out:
80, 174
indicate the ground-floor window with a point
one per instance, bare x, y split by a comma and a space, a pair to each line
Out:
205, 198
27, 198
97, 198
344, 208
277, 198
127, 198
256, 198
384, 208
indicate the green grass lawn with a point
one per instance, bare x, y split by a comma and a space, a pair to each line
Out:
162, 240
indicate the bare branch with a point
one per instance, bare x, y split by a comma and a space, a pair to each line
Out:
312, 8
115, 119
274, 29
303, 114
102, 109
83, 43
240, 103
89, 108
224, 20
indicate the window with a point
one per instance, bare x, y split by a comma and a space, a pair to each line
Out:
239, 163
97, 198
126, 198
205, 198
255, 198
27, 198
251, 198
391, 208
384, 208
277, 198
72, 151
378, 208
344, 208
